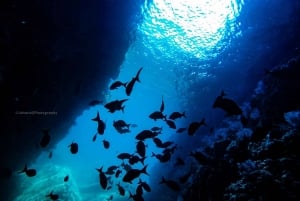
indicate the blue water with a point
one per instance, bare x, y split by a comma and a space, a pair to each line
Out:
189, 52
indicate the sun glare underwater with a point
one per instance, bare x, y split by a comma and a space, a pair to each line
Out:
172, 36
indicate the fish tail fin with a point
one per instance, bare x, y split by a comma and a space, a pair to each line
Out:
122, 108
137, 77
124, 84
153, 154
24, 169
162, 180
97, 118
144, 170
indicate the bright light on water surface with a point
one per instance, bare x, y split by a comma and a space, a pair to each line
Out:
193, 28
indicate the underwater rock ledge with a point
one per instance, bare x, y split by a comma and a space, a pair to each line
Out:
266, 164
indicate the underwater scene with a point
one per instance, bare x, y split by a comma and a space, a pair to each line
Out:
167, 100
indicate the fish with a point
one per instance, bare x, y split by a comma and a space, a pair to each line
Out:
101, 124
118, 172
171, 123
162, 106
227, 105
95, 102
121, 126
52, 196
73, 147
50, 154
171, 184
129, 86
136, 197
179, 162
126, 167
113, 167
106, 144
176, 115
121, 189
157, 115
145, 186
183, 179
156, 129
134, 159
141, 148
194, 126
134, 173
202, 158
66, 178
45, 139
157, 142
95, 137
28, 172
163, 158
139, 190
145, 134
180, 130
102, 178
123, 156
117, 84
115, 105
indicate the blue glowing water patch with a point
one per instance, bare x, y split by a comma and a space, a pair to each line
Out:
189, 28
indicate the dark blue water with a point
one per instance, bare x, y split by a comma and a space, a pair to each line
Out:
189, 52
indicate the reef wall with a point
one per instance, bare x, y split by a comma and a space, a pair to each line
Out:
56, 56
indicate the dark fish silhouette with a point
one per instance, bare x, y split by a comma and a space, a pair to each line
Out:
183, 179
95, 137
157, 115
123, 156
102, 178
180, 130
66, 178
121, 189
136, 197
156, 129
45, 139
201, 158
139, 190
179, 162
134, 159
126, 167
50, 154
116, 85
115, 105
163, 158
160, 144
28, 172
171, 184
118, 172
194, 126
130, 85
134, 173
95, 102
106, 144
121, 126
73, 147
146, 134
141, 148
228, 105
171, 123
176, 115
101, 124
52, 196
145, 186
162, 106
